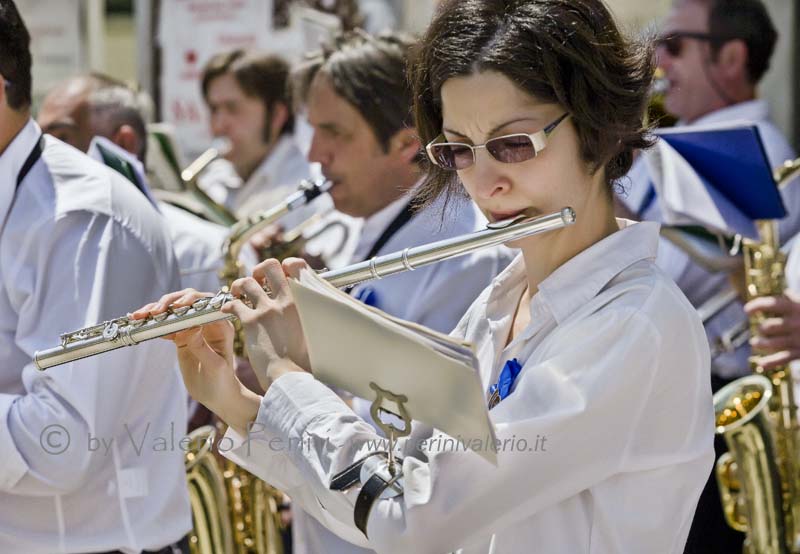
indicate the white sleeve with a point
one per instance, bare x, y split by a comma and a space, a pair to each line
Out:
83, 270
572, 393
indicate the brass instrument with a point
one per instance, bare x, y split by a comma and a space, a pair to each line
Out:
194, 199
720, 260
253, 504
294, 240
785, 173
211, 532
759, 478
124, 331
656, 113
244, 230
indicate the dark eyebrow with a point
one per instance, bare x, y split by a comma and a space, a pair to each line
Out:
496, 128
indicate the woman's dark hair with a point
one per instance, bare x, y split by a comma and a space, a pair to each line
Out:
568, 52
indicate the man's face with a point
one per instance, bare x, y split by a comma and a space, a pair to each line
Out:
65, 115
239, 118
691, 69
350, 154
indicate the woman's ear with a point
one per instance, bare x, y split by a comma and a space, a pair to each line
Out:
405, 144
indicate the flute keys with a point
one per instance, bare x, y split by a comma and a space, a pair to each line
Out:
111, 330
182, 310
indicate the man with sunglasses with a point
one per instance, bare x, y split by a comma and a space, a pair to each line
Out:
713, 54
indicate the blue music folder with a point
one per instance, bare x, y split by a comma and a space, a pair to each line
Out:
732, 161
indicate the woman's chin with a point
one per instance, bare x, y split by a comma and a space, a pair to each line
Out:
517, 244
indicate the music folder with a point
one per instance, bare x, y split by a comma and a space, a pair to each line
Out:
357, 348
717, 176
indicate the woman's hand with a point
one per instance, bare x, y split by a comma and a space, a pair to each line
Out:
207, 362
274, 338
778, 340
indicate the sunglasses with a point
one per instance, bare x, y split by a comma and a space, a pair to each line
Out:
509, 149
673, 42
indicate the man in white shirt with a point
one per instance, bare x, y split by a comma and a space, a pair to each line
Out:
249, 101
92, 106
713, 54
366, 145
87, 463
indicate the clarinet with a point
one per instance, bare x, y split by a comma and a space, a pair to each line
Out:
125, 331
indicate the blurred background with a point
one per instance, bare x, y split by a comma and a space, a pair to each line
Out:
160, 46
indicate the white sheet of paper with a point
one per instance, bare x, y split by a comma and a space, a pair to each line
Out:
352, 345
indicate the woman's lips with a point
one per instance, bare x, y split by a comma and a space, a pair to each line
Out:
500, 216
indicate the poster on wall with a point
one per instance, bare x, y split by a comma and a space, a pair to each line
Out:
190, 32
57, 46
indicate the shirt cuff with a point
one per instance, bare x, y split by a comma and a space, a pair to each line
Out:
268, 447
14, 466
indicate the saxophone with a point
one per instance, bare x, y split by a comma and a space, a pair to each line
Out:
190, 197
759, 478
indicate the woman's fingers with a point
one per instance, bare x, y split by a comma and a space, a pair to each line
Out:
270, 273
255, 293
144, 311
177, 299
293, 266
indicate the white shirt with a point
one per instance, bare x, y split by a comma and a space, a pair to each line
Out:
698, 284
82, 245
615, 375
436, 296
198, 247
278, 176
197, 243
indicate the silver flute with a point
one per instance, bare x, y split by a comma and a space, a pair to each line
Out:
125, 331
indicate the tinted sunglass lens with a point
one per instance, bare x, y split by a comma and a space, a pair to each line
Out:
672, 44
452, 156
513, 149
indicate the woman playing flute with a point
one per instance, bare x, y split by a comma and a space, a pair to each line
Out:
528, 106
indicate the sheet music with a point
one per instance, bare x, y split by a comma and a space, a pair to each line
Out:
352, 345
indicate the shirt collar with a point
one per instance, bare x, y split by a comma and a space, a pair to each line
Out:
749, 111
12, 160
581, 278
